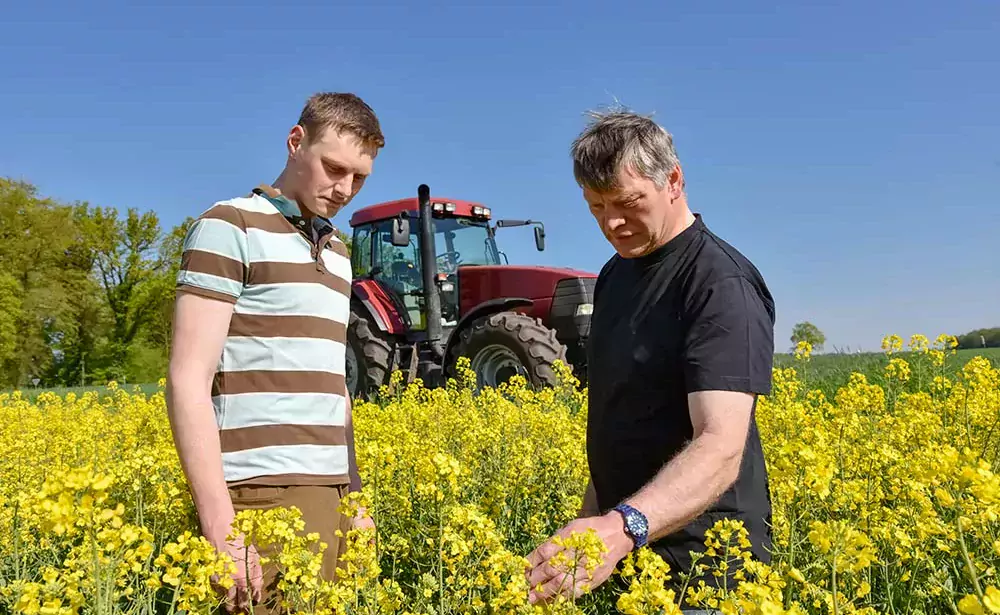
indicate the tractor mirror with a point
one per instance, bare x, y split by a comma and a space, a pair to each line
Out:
540, 238
401, 232
506, 223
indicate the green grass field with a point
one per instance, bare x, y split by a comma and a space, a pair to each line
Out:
828, 372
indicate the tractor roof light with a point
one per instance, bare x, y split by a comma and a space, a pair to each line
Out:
438, 207
480, 211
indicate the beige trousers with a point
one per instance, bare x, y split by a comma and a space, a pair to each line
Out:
319, 511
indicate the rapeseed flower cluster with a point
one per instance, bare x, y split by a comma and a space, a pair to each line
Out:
886, 500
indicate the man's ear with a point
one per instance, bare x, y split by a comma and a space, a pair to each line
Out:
296, 139
676, 181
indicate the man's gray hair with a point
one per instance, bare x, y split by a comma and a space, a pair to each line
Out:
620, 139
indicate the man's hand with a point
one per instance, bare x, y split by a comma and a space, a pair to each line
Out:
610, 528
362, 520
248, 578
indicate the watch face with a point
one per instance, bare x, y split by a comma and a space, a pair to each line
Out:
637, 525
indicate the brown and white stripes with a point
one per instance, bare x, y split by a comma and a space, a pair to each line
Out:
279, 391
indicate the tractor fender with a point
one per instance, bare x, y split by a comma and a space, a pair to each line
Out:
483, 309
382, 309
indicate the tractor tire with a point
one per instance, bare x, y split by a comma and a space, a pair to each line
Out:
368, 358
502, 344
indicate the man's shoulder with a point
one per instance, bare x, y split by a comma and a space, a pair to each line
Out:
243, 212
719, 266
717, 260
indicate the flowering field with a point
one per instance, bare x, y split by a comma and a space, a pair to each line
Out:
885, 501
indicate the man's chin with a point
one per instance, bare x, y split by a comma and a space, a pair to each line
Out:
630, 248
322, 209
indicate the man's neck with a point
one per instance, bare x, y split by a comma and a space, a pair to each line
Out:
678, 225
279, 185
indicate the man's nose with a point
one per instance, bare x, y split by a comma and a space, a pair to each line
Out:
342, 187
614, 222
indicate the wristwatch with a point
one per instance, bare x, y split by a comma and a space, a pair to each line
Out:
636, 524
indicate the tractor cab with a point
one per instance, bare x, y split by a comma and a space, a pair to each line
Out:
430, 286
460, 240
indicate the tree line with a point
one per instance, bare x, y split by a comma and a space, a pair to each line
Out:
980, 338
86, 292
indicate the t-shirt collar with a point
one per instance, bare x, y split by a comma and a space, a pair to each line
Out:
676, 243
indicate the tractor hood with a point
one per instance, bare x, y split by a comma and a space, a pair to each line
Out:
480, 283
530, 282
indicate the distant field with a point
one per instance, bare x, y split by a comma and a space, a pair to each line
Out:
32, 394
827, 372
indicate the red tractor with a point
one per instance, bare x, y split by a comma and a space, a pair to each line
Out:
420, 300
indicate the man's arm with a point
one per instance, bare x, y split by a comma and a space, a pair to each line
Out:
728, 353
695, 479
199, 333
352, 458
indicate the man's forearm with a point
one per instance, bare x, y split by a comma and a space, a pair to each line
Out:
687, 485
352, 458
196, 437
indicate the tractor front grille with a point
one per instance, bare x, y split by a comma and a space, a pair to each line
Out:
568, 296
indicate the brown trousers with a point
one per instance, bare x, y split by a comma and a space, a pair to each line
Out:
319, 511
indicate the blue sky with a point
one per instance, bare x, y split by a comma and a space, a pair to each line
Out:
849, 149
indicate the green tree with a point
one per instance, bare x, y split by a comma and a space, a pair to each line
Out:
129, 272
35, 259
346, 239
808, 332
10, 316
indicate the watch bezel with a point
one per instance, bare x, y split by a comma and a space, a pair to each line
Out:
632, 516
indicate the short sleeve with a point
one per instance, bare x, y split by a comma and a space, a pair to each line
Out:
215, 257
730, 342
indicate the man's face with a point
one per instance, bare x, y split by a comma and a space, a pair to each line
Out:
326, 173
637, 217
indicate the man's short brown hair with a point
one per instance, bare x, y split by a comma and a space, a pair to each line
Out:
343, 112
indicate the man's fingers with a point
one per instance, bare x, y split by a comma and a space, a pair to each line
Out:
231, 599
257, 579
541, 573
549, 590
542, 554
241, 585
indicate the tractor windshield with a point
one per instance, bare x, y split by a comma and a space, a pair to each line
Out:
462, 241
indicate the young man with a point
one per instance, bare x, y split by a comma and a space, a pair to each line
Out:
256, 391
681, 344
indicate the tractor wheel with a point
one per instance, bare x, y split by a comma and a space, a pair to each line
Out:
507, 343
368, 358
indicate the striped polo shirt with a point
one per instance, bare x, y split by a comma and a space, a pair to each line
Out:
279, 389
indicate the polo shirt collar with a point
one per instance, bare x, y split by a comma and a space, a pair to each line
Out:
285, 205
291, 210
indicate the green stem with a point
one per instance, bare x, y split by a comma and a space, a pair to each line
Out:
834, 584
968, 561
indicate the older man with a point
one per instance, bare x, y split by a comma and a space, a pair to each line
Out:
681, 344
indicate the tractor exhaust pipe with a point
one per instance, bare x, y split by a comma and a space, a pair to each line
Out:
428, 262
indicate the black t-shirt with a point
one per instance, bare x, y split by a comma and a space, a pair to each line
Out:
693, 315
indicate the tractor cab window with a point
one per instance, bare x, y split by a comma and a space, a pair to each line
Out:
399, 269
461, 241
457, 242
361, 251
